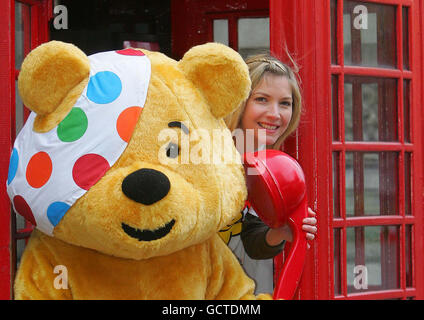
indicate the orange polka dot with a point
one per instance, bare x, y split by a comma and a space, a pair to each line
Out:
127, 121
39, 170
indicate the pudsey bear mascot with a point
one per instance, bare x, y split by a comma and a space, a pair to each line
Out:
103, 169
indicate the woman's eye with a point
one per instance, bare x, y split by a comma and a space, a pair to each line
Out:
286, 103
260, 99
172, 150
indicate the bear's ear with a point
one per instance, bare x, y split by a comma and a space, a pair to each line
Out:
49, 74
220, 74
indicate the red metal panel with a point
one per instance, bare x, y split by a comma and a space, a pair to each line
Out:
7, 99
417, 65
372, 221
296, 23
372, 72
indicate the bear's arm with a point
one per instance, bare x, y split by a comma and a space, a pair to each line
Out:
227, 280
35, 279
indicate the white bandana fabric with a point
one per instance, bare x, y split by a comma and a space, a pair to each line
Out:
49, 171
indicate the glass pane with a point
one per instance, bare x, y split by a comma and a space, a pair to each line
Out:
369, 34
337, 260
372, 258
348, 111
349, 192
22, 32
335, 107
371, 183
336, 185
19, 109
220, 31
370, 109
20, 222
405, 28
389, 183
408, 255
253, 36
20, 246
369, 101
406, 110
333, 13
408, 189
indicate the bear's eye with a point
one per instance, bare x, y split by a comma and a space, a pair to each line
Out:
172, 150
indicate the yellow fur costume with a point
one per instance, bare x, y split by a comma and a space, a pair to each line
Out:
97, 242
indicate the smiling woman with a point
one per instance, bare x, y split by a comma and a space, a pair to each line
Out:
272, 83
266, 118
269, 108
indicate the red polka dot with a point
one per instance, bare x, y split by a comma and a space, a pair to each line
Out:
130, 52
39, 170
88, 169
127, 121
22, 207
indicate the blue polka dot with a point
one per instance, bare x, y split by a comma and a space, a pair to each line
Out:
56, 211
13, 166
104, 87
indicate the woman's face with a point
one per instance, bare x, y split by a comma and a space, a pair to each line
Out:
268, 109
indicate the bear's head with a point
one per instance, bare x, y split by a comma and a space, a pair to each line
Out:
126, 151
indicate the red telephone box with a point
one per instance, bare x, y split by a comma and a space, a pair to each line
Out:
360, 141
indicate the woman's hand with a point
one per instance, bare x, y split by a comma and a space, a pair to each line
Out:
309, 225
275, 236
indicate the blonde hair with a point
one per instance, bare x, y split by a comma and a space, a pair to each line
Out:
259, 66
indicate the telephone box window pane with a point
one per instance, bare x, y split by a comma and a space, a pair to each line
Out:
253, 36
389, 183
335, 107
370, 109
405, 29
348, 101
372, 254
362, 184
347, 39
20, 222
220, 31
369, 34
337, 262
371, 183
336, 185
408, 255
19, 107
22, 32
408, 189
406, 109
349, 191
333, 8
20, 247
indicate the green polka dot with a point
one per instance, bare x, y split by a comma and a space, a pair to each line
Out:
73, 126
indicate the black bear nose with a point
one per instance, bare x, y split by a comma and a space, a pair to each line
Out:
146, 186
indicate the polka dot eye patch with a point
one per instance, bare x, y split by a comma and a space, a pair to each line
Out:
49, 171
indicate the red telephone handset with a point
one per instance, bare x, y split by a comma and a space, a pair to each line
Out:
277, 192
